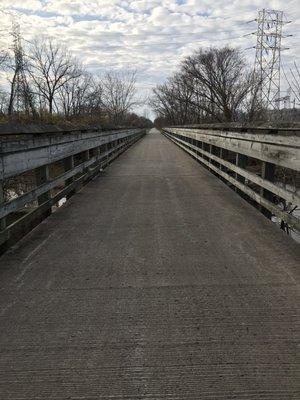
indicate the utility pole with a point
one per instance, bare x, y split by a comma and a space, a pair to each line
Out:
268, 57
20, 96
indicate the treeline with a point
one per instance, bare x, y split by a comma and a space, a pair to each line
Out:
46, 83
214, 85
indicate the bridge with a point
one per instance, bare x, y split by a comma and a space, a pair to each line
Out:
156, 280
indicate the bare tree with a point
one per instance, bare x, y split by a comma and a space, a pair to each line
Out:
251, 104
3, 58
75, 95
95, 102
50, 80
4, 100
220, 78
119, 91
175, 101
211, 85
3, 94
51, 67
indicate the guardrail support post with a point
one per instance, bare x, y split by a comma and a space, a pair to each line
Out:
2, 220
42, 176
3, 245
85, 157
240, 161
107, 148
267, 172
97, 153
69, 165
214, 150
221, 155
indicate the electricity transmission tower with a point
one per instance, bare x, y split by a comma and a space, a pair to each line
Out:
20, 96
268, 56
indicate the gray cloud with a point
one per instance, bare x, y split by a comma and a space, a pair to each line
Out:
151, 36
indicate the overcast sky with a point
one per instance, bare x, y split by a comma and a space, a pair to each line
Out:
151, 36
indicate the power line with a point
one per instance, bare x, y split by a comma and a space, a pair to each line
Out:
122, 45
288, 82
145, 34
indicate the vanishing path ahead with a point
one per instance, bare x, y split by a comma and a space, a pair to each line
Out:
156, 281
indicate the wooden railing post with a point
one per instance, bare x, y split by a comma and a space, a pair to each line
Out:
240, 161
85, 157
42, 176
267, 172
2, 220
97, 152
106, 149
221, 155
69, 165
222, 168
214, 151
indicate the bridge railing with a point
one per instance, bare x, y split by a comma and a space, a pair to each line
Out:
59, 165
248, 163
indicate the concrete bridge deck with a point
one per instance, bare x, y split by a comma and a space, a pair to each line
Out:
156, 281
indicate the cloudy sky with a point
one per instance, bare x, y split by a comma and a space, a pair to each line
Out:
151, 36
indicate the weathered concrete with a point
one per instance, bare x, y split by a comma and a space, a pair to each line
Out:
156, 281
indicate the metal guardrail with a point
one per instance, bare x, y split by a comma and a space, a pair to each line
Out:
215, 150
83, 154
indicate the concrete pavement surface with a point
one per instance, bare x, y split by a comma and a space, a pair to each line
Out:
156, 281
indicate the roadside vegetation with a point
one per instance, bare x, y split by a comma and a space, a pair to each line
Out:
46, 85
214, 86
